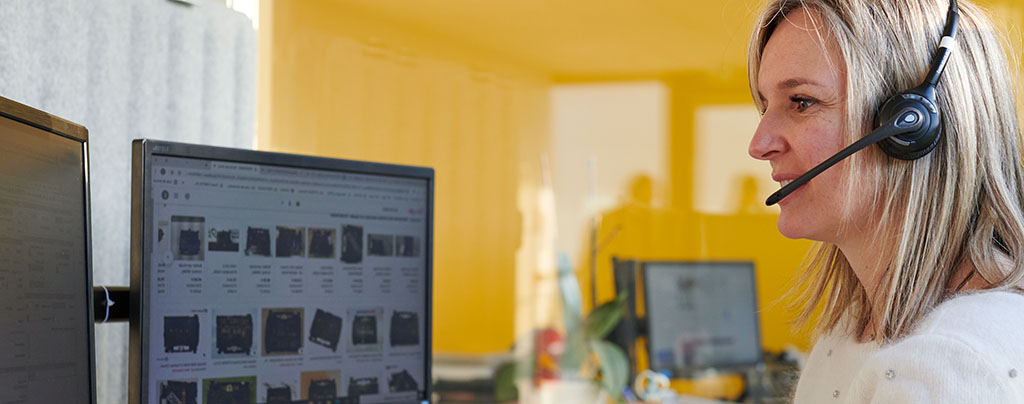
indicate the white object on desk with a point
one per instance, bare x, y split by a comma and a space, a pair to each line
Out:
685, 399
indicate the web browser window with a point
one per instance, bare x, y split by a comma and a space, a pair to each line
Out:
270, 283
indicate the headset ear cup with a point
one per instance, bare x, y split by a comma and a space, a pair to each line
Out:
917, 143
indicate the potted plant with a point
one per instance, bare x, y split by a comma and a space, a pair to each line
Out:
582, 357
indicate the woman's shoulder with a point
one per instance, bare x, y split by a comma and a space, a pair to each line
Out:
987, 326
979, 318
967, 347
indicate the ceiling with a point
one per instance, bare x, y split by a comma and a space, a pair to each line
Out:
586, 38
602, 38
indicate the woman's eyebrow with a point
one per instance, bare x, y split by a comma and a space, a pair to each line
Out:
792, 83
796, 82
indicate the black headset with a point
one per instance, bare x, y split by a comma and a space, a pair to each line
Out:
909, 124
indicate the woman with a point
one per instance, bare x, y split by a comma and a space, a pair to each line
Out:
920, 263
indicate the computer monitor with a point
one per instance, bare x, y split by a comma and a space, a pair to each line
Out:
701, 315
46, 315
272, 278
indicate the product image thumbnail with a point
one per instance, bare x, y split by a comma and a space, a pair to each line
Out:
321, 385
321, 243
326, 329
223, 240
234, 334
290, 242
363, 386
408, 246
257, 241
364, 330
401, 381
179, 392
186, 237
322, 389
405, 328
233, 390
181, 334
351, 244
279, 394
381, 245
282, 331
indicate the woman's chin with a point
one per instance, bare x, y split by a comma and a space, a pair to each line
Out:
788, 231
793, 228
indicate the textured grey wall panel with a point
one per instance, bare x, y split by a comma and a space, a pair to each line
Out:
129, 69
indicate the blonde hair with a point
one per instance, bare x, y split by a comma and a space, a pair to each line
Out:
962, 203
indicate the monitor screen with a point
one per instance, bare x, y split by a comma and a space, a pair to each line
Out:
701, 315
45, 278
273, 278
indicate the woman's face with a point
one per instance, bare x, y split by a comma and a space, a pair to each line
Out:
804, 98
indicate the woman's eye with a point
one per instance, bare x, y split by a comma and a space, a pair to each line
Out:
802, 103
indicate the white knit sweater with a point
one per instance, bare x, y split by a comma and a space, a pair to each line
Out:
969, 349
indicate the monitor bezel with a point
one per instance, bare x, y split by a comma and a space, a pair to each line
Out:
143, 150
53, 124
645, 268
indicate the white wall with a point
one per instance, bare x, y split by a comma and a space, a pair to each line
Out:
722, 167
618, 128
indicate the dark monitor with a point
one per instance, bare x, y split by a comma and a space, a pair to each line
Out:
46, 317
273, 278
701, 315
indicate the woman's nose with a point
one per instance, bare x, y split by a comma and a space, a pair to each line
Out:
767, 141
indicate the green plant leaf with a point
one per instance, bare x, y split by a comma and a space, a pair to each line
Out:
569, 287
603, 319
614, 367
505, 383
576, 351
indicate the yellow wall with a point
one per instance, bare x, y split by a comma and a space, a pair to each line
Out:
340, 84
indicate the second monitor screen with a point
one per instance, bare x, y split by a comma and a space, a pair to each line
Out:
701, 315
271, 284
